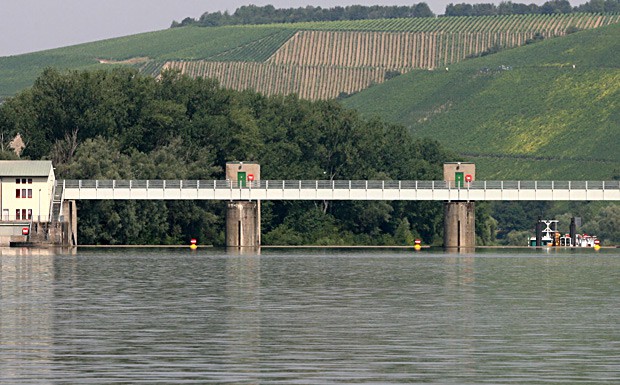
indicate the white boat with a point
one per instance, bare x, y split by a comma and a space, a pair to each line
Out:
551, 237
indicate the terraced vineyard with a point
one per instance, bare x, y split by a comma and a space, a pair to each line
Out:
391, 50
549, 109
309, 82
324, 60
557, 22
314, 60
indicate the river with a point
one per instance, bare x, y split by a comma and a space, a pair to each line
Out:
309, 316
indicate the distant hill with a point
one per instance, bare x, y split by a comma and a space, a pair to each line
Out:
545, 110
550, 110
316, 60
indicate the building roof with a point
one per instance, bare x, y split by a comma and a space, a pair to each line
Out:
25, 168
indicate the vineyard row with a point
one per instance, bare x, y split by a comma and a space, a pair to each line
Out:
559, 22
322, 64
393, 50
309, 82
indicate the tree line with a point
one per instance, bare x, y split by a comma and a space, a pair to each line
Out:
118, 124
253, 14
268, 14
548, 8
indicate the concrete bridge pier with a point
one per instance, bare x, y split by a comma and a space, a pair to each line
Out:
69, 223
242, 224
63, 227
459, 225
459, 229
243, 217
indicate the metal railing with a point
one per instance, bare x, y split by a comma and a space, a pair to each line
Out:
341, 190
341, 184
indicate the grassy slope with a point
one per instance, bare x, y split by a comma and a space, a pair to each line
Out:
494, 118
19, 72
542, 118
240, 43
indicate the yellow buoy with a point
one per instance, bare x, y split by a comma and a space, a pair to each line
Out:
597, 247
193, 244
193, 247
417, 244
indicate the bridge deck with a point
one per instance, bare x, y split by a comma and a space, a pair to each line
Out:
341, 190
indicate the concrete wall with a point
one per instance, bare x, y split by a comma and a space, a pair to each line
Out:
40, 203
459, 217
249, 168
250, 213
459, 224
242, 224
450, 170
12, 232
69, 210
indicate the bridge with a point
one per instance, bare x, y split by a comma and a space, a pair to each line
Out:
244, 195
338, 190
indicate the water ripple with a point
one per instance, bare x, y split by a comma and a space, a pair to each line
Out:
309, 317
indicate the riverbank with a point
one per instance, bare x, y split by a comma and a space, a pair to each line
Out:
345, 247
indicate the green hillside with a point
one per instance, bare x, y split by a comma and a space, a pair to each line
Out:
19, 72
544, 110
547, 110
421, 42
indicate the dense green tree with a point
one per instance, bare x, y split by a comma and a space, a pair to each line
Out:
556, 6
605, 225
518, 216
549, 7
462, 9
422, 10
486, 225
403, 234
253, 14
599, 6
118, 124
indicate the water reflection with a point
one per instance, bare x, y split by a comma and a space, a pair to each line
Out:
460, 250
309, 316
243, 318
27, 312
250, 251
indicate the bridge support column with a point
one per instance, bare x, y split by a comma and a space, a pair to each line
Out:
459, 225
243, 224
69, 223
243, 217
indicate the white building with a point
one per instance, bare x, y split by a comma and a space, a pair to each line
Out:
26, 190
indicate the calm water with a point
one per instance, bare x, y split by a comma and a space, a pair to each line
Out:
309, 317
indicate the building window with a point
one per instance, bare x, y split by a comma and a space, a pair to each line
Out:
17, 181
29, 180
23, 193
30, 214
17, 216
17, 195
23, 180
24, 214
29, 193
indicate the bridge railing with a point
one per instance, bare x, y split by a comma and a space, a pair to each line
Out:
341, 184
